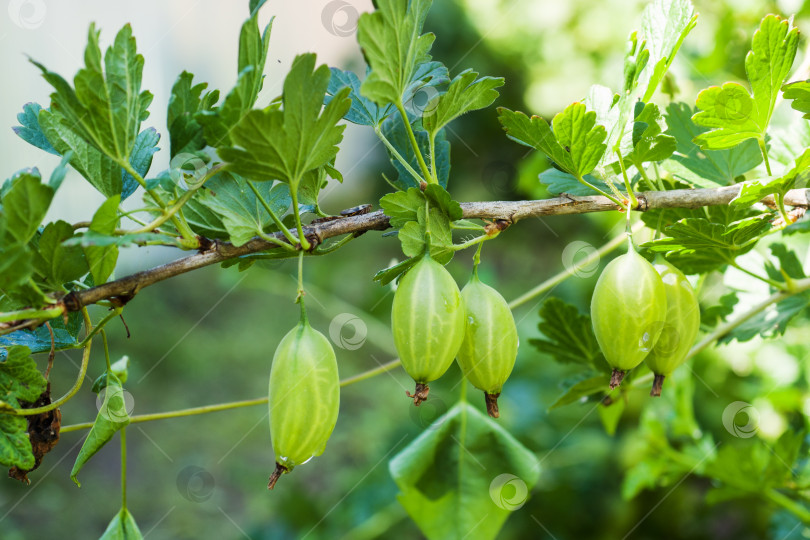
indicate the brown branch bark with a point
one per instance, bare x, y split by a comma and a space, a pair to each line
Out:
122, 290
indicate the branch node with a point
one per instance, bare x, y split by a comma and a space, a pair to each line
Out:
72, 302
206, 244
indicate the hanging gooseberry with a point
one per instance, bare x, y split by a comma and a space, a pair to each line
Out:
427, 318
628, 310
488, 351
680, 327
304, 397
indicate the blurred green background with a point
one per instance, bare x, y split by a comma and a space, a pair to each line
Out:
208, 337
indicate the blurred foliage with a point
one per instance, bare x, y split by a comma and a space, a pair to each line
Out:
208, 338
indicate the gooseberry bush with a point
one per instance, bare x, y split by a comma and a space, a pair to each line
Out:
698, 185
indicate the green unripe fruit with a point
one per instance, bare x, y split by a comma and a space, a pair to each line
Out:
628, 310
428, 323
304, 397
488, 351
680, 327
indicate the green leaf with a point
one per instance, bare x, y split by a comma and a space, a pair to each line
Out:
393, 44
100, 170
185, 132
801, 226
714, 315
56, 263
650, 144
559, 182
102, 259
735, 115
569, 336
231, 199
697, 245
92, 238
16, 266
394, 130
384, 277
363, 111
218, 122
650, 52
140, 159
731, 114
60, 172
39, 339
29, 129
402, 206
107, 105
755, 190
466, 93
112, 417
769, 62
412, 236
772, 322
664, 26
122, 527
611, 414
465, 474
309, 189
576, 145
20, 381
705, 168
25, 201
119, 368
743, 466
789, 263
15, 447
580, 389
284, 144
204, 221
797, 92
441, 199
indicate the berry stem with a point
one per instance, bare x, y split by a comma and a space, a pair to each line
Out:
658, 382
492, 404
616, 378
276, 474
420, 393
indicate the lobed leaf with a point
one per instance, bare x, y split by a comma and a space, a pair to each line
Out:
236, 205
755, 190
697, 245
465, 474
664, 26
106, 107
729, 110
466, 93
273, 144
54, 262
363, 111
568, 335
394, 46
705, 168
798, 93
185, 132
576, 145
412, 235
